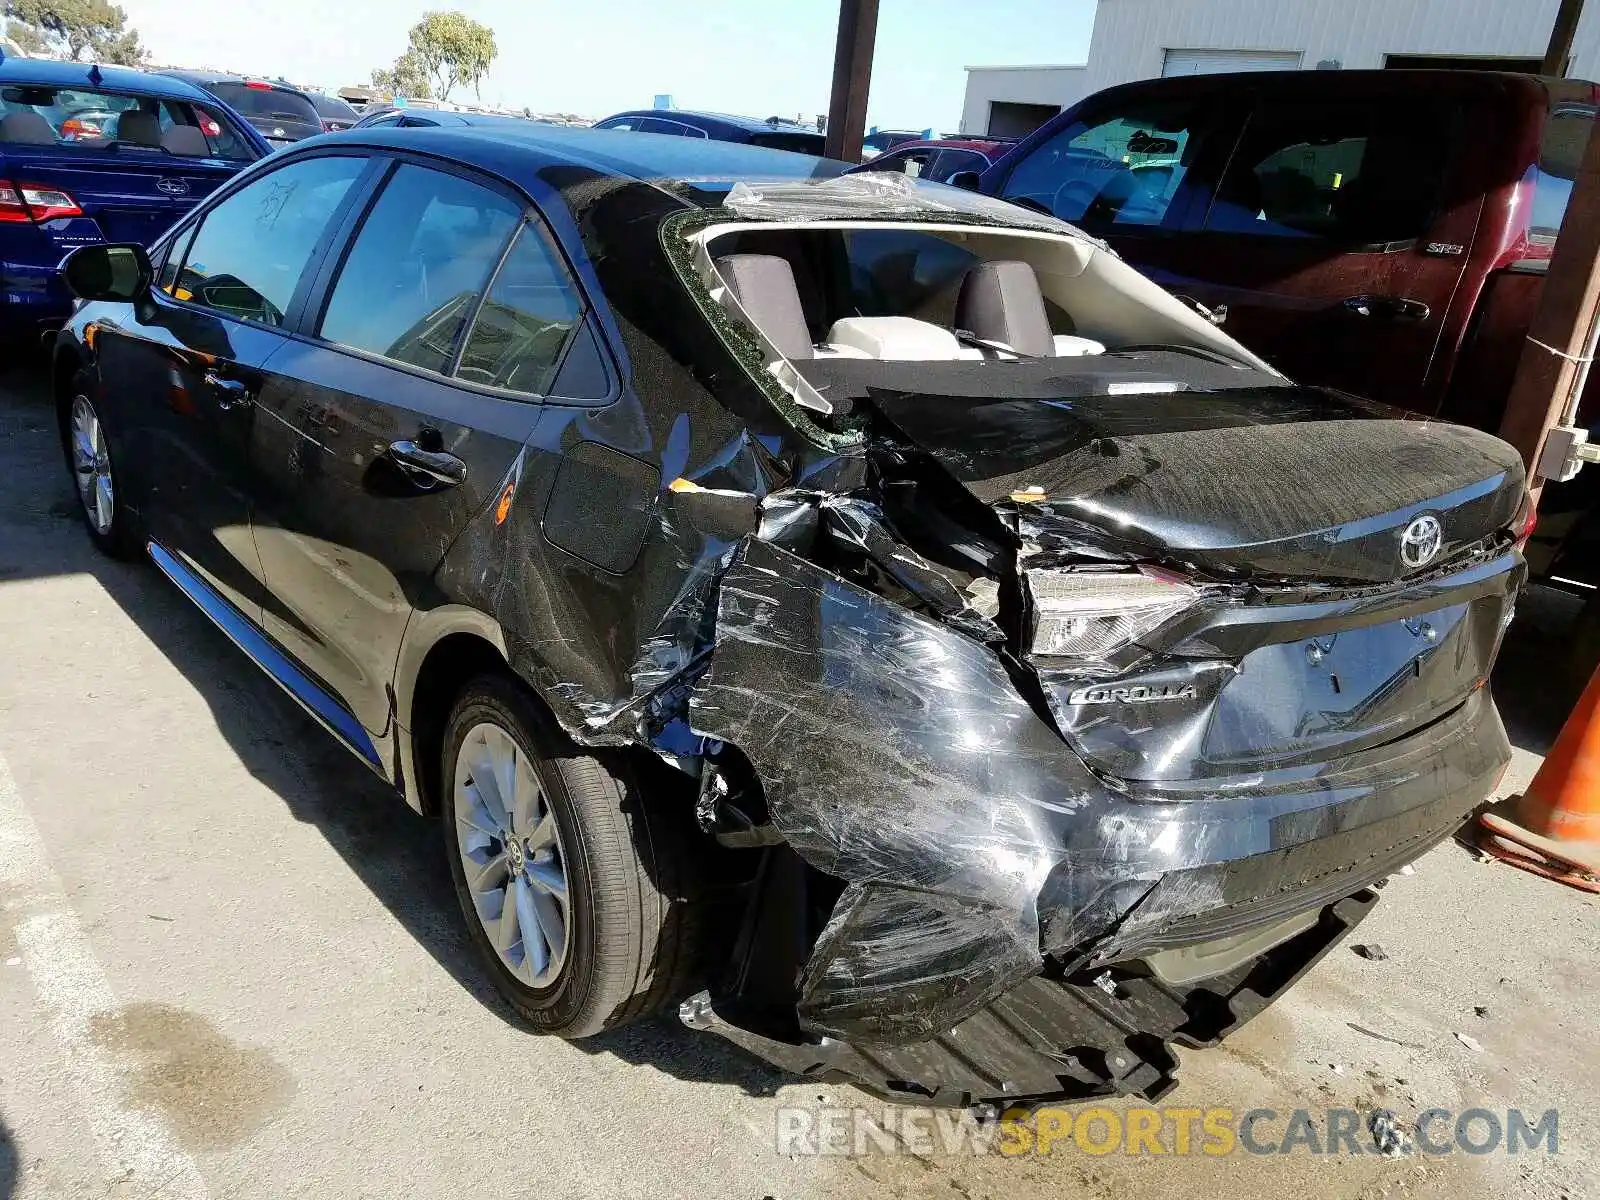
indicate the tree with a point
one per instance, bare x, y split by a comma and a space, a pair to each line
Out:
452, 49
407, 77
28, 39
72, 26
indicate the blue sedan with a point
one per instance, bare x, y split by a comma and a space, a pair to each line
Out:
98, 154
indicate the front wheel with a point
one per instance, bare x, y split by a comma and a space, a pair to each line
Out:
576, 893
88, 451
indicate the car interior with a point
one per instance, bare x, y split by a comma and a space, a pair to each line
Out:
896, 305
126, 121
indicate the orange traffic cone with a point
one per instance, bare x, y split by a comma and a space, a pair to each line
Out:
1553, 829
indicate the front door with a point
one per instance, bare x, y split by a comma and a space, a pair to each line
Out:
400, 418
1334, 243
183, 378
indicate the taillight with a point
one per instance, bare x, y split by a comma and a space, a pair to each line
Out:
34, 202
255, 85
1088, 615
72, 127
1523, 523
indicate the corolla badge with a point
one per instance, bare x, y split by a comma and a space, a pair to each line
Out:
1421, 541
173, 187
1139, 693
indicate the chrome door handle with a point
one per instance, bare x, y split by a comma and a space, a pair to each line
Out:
231, 393
1388, 308
430, 468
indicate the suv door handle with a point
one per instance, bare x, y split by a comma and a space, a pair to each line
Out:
430, 468
1387, 308
231, 393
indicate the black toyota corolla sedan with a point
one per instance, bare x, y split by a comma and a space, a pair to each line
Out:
869, 615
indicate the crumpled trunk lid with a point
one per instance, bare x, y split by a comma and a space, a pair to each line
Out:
1279, 482
1354, 572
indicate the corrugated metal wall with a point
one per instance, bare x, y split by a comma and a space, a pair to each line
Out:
1131, 37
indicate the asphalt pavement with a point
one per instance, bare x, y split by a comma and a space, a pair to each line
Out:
231, 965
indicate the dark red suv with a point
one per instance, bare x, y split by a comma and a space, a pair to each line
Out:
1383, 232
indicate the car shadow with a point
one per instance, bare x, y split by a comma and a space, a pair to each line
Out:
1536, 683
10, 1162
393, 851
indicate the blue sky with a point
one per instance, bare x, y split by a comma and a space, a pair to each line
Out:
598, 56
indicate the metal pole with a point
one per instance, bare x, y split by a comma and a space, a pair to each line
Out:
852, 75
1561, 340
1560, 50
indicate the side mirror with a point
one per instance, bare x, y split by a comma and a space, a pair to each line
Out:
108, 272
967, 181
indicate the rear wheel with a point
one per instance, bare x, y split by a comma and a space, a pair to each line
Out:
575, 892
88, 452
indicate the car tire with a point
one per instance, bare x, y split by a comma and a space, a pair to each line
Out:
86, 446
632, 930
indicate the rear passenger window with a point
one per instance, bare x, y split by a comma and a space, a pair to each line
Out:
517, 339
1350, 174
252, 248
423, 255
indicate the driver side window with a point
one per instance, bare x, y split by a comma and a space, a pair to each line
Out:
251, 249
1117, 169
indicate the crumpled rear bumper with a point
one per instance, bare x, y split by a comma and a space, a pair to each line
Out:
1052, 1039
986, 867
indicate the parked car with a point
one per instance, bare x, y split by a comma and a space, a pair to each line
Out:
938, 159
283, 115
878, 607
772, 133
1383, 232
881, 141
335, 113
98, 153
414, 118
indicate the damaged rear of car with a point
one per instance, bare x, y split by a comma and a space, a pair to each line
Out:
1084, 695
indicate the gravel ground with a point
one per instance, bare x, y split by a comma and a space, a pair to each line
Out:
231, 965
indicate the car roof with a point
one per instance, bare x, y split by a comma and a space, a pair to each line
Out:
518, 149
50, 73
1340, 83
749, 124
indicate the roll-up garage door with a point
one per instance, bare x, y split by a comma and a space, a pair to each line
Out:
1216, 62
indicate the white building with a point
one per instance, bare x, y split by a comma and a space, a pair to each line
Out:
1143, 39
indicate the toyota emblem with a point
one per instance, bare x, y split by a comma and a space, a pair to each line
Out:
1421, 541
173, 187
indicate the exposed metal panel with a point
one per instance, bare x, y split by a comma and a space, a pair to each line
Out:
1216, 62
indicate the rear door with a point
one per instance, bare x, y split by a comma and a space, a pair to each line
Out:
1338, 234
399, 415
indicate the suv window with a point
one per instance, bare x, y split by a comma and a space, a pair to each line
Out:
1355, 174
1566, 134
417, 266
250, 250
523, 324
100, 120
1118, 168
